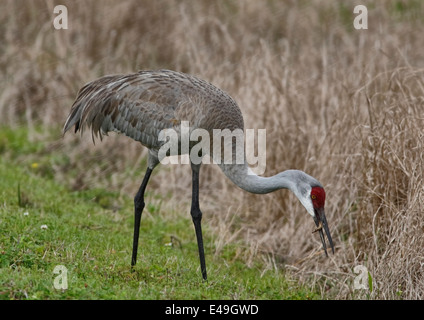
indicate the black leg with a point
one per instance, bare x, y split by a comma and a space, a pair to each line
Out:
138, 209
196, 215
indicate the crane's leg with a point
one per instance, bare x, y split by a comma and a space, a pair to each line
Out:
196, 215
138, 209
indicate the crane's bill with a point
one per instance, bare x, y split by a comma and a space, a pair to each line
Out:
321, 223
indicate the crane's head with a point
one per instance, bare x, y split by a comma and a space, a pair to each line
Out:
317, 197
311, 194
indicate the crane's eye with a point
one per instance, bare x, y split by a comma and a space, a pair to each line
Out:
313, 197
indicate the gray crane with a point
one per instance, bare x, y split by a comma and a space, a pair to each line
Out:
141, 105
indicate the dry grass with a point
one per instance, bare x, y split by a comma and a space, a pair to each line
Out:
344, 105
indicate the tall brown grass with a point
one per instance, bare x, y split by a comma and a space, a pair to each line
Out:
344, 105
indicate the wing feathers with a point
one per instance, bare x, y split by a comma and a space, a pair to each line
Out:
140, 105
133, 105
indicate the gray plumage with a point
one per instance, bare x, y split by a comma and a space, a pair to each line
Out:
142, 104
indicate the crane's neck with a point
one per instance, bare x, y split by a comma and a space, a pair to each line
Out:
247, 180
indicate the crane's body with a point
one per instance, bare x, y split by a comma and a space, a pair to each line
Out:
143, 104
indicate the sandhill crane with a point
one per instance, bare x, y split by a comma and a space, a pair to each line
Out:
142, 104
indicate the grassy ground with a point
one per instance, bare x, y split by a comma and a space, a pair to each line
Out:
44, 225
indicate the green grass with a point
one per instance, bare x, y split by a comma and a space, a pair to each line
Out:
92, 240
